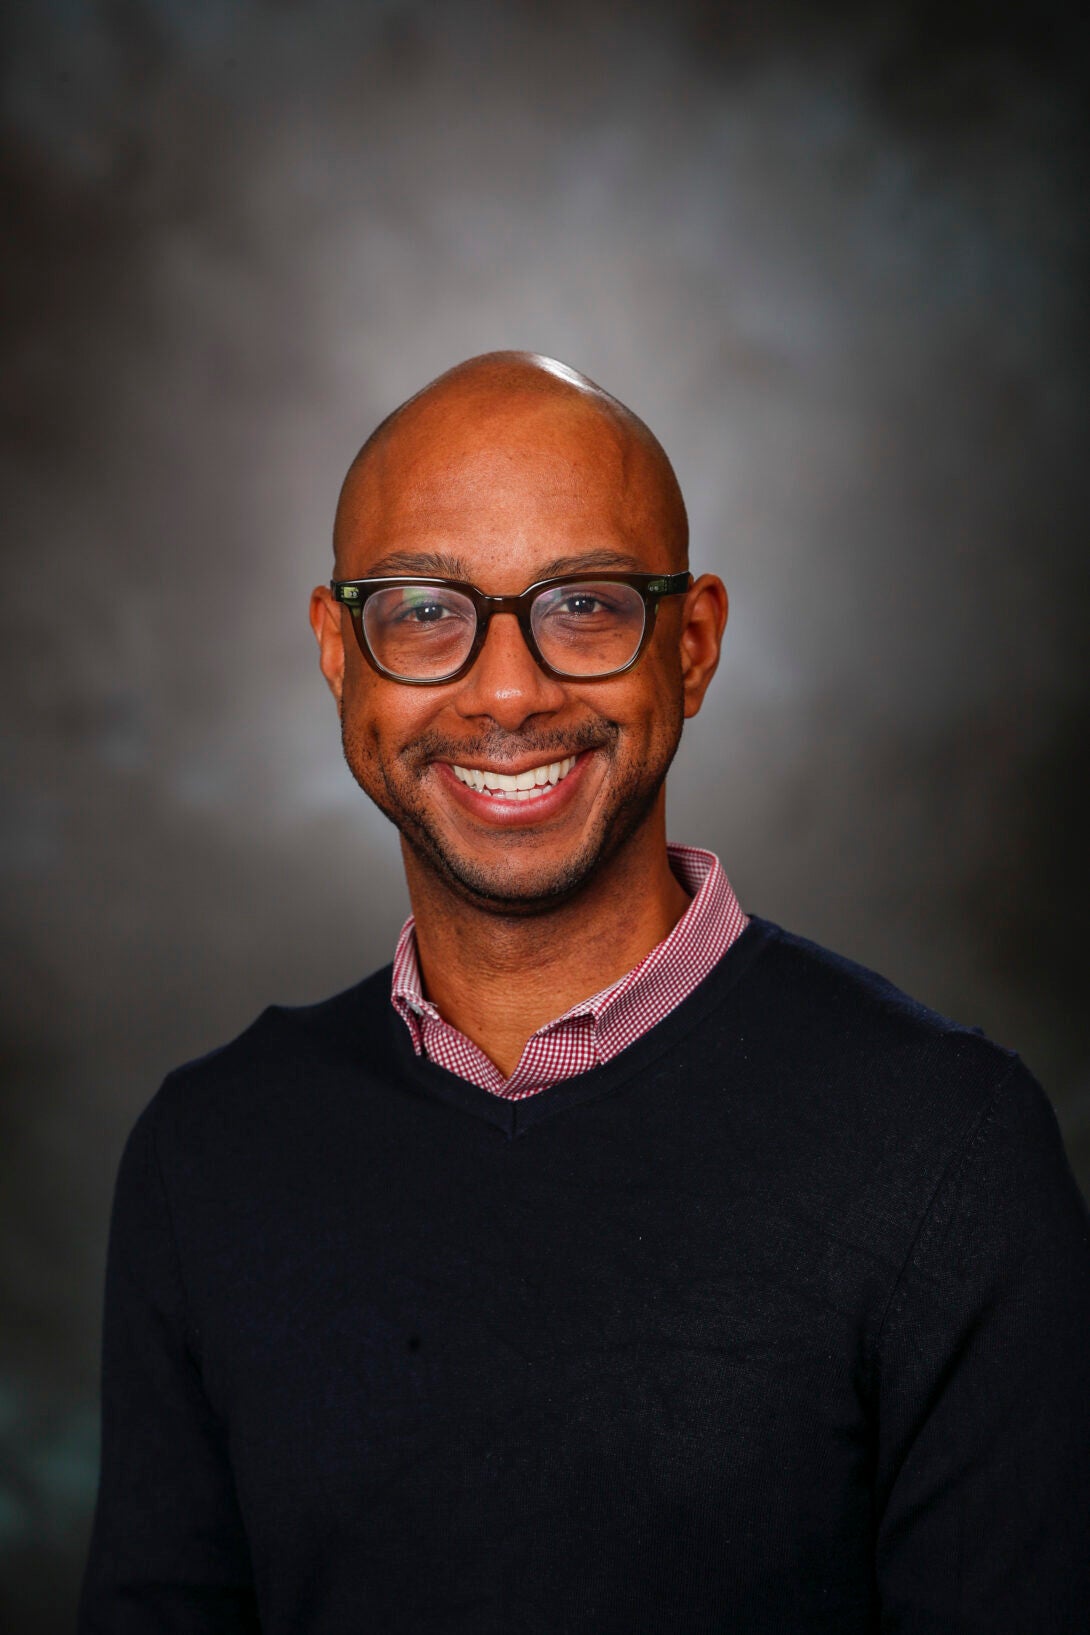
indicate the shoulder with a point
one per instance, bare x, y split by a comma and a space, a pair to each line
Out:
279, 1059
824, 999
868, 1057
895, 1120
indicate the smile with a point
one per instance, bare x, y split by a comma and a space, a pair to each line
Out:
517, 786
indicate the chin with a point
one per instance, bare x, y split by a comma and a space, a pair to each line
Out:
520, 888
506, 891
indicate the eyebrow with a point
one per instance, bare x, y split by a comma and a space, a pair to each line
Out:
427, 564
441, 565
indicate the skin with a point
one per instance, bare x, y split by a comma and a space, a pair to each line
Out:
509, 469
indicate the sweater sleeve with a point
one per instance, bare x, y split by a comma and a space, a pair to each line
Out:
983, 1457
168, 1551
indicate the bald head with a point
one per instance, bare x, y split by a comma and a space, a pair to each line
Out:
479, 428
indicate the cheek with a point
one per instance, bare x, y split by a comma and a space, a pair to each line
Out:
364, 729
651, 714
378, 722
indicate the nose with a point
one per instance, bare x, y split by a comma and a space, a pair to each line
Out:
506, 683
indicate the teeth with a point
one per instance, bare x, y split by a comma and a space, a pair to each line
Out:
514, 786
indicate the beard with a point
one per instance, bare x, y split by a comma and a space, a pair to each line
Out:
395, 788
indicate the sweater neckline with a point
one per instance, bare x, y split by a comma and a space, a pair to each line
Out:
596, 1028
515, 1118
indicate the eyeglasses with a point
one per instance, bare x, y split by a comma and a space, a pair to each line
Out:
585, 625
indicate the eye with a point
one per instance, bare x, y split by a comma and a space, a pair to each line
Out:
579, 602
426, 613
575, 603
415, 609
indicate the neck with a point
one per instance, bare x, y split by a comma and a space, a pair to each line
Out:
499, 977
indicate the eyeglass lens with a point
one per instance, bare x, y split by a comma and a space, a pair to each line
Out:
425, 632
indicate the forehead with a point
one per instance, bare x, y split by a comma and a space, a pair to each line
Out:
506, 489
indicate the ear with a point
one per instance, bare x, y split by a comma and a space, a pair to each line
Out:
703, 620
325, 621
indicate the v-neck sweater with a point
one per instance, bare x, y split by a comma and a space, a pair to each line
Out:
775, 1322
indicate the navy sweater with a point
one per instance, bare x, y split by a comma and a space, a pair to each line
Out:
778, 1322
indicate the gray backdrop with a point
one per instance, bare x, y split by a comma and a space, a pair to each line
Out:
834, 255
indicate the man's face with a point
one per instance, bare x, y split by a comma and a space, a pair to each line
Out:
502, 496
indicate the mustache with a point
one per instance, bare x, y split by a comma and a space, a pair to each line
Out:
498, 746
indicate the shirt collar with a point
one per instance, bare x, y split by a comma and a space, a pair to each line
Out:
701, 874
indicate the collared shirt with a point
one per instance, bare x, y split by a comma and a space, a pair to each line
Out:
595, 1030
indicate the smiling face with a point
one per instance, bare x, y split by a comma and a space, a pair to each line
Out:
512, 788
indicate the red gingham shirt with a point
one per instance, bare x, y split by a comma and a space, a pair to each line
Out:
596, 1029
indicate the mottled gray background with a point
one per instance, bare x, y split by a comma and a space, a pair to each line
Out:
835, 255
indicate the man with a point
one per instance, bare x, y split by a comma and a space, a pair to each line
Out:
614, 1263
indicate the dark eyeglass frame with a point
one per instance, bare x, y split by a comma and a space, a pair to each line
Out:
353, 594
